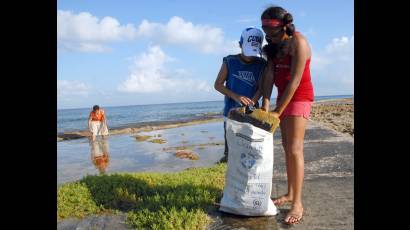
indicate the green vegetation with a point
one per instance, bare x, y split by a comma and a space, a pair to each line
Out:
158, 141
151, 200
141, 137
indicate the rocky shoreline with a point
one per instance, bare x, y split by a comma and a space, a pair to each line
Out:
333, 113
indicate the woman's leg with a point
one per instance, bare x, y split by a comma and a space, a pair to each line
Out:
93, 130
288, 197
295, 127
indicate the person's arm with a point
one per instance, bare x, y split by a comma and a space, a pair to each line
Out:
267, 86
89, 122
257, 96
219, 85
258, 93
302, 53
104, 118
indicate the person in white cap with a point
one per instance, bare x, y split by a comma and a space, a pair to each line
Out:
239, 76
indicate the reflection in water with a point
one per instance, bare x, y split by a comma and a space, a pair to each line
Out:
100, 154
128, 155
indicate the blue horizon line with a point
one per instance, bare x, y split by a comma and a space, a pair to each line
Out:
348, 95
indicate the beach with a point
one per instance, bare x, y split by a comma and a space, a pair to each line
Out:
335, 114
153, 147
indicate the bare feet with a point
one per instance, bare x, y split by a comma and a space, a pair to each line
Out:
295, 214
283, 200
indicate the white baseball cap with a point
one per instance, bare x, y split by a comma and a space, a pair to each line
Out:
251, 41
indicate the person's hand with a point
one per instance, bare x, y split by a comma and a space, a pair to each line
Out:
265, 108
275, 114
244, 100
256, 103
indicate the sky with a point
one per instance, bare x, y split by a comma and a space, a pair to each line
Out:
115, 53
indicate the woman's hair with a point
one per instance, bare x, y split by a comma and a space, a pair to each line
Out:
96, 107
270, 50
276, 12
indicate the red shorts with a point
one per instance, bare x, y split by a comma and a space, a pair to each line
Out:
297, 108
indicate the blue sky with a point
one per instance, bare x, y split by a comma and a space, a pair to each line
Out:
115, 53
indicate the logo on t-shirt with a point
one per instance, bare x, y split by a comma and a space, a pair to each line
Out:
245, 76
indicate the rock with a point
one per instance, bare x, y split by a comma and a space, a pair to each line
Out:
186, 154
141, 137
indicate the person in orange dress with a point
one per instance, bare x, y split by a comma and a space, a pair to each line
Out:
97, 123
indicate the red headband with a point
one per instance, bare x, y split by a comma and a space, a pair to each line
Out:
271, 22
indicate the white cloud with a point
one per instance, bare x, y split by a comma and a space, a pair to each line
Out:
86, 33
205, 38
310, 32
338, 43
203, 86
86, 27
149, 75
65, 88
86, 47
333, 68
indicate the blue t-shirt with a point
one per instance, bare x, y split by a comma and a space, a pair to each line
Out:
242, 78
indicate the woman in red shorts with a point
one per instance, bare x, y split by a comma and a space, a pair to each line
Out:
288, 54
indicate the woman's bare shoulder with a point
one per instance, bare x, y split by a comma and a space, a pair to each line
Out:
301, 42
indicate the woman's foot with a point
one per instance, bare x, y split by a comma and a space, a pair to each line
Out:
283, 200
294, 215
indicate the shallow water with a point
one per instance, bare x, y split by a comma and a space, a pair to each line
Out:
77, 158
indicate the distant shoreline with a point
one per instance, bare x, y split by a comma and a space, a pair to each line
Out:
157, 125
142, 127
272, 99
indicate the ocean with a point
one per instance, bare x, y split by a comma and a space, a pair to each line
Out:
70, 120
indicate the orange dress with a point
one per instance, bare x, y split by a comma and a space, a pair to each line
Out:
97, 115
98, 126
